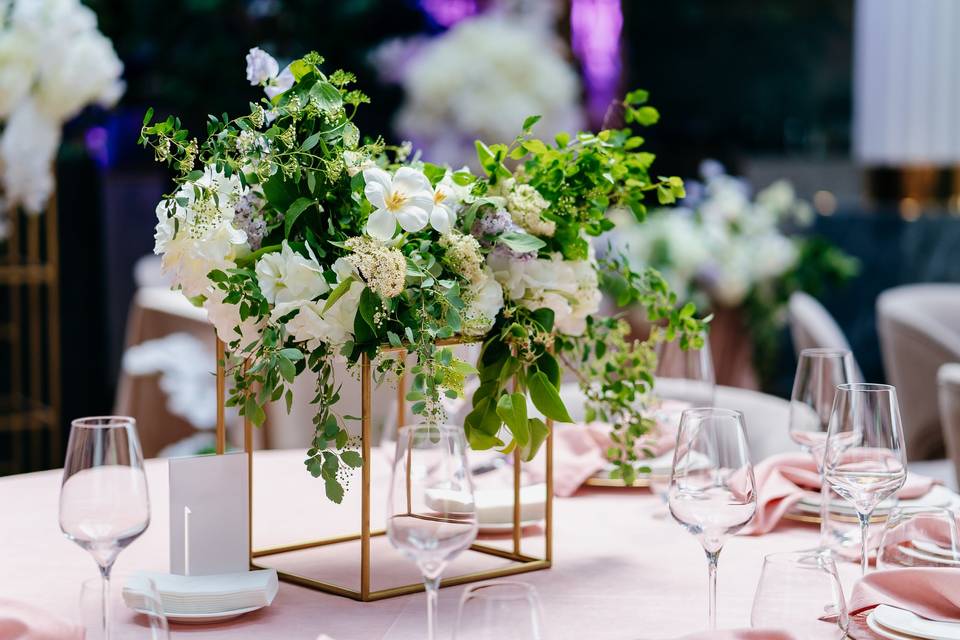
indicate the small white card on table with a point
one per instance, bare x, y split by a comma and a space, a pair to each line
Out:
209, 515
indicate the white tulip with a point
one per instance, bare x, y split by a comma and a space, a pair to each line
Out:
406, 199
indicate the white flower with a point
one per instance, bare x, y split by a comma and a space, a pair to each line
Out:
261, 67
406, 198
484, 300
288, 276
196, 234
447, 199
357, 162
226, 319
18, 62
74, 76
27, 149
311, 324
280, 84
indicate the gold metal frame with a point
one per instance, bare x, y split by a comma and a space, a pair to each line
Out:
521, 562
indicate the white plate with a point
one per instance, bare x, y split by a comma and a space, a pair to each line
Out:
883, 632
502, 527
934, 549
206, 618
910, 624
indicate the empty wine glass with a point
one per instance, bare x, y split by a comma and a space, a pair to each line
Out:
685, 374
819, 372
431, 512
499, 610
919, 537
796, 590
712, 488
865, 461
145, 618
104, 504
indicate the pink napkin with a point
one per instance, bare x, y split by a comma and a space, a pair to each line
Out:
580, 450
740, 634
19, 621
929, 592
783, 479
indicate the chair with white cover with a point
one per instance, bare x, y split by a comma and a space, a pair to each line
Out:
919, 327
948, 381
812, 327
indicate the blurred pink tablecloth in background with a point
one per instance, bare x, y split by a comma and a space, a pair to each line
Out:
621, 569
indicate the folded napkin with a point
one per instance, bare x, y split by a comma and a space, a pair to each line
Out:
785, 478
205, 594
740, 634
20, 621
932, 593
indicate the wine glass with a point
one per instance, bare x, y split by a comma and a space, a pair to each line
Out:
685, 374
498, 610
919, 537
865, 460
144, 602
431, 512
819, 371
104, 504
712, 488
796, 590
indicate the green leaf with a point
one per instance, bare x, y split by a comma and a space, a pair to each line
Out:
369, 305
530, 121
327, 96
522, 242
311, 141
337, 293
334, 490
546, 398
538, 434
292, 354
293, 212
548, 364
512, 409
287, 370
254, 411
352, 459
148, 116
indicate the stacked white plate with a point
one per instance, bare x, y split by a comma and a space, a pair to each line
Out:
204, 599
939, 496
900, 624
494, 506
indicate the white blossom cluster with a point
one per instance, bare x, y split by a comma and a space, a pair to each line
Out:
479, 80
720, 244
53, 63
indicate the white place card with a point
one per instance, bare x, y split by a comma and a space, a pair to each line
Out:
209, 515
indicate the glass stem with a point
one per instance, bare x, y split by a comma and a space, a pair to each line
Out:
825, 495
712, 558
105, 602
864, 541
432, 587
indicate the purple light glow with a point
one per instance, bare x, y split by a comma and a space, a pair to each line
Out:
96, 139
447, 13
595, 27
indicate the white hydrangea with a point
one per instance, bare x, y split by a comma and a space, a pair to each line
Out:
194, 232
28, 147
480, 80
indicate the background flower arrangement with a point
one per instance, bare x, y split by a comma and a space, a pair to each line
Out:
724, 248
53, 63
305, 241
477, 80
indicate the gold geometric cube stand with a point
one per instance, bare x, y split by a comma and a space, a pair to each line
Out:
519, 562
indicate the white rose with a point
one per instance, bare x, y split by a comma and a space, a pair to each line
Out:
261, 66
287, 276
312, 325
484, 300
191, 259
226, 319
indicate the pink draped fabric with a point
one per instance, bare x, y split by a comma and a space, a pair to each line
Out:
21, 621
932, 593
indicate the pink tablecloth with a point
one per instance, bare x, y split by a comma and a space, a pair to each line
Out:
621, 570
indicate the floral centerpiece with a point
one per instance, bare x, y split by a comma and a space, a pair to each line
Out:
305, 240
725, 248
53, 63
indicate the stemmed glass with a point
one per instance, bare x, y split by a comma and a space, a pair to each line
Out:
712, 488
431, 512
919, 537
104, 504
819, 372
685, 374
865, 458
498, 610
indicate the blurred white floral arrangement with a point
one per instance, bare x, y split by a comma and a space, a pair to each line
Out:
53, 63
477, 79
724, 247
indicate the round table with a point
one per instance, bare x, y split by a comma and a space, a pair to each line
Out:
622, 568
